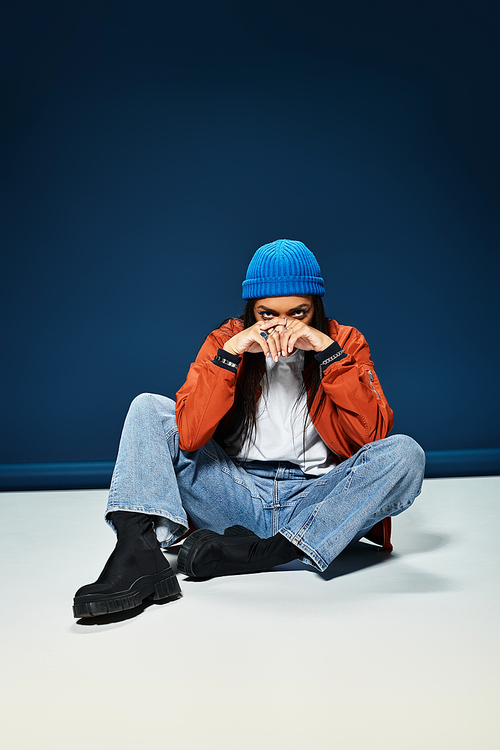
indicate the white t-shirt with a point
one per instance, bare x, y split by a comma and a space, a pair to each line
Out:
280, 432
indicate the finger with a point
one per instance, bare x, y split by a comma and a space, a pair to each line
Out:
265, 329
282, 344
292, 341
285, 341
262, 341
280, 334
262, 338
265, 349
273, 342
272, 323
265, 340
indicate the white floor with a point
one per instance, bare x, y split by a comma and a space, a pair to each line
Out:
399, 652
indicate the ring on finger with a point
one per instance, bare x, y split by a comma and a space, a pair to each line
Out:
264, 335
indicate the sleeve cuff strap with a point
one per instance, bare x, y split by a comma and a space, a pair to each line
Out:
333, 353
226, 360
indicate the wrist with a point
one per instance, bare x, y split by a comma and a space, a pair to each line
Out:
326, 342
230, 349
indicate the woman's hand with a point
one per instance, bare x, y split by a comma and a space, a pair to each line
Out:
293, 334
281, 337
248, 340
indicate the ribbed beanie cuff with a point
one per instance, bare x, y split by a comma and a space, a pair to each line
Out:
282, 268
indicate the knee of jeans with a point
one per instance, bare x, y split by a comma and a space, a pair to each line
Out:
147, 403
409, 452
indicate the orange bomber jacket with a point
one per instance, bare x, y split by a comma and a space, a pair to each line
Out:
355, 410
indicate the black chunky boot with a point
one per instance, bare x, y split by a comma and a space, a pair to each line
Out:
136, 570
206, 554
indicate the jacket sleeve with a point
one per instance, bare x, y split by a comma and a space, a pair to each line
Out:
349, 380
206, 396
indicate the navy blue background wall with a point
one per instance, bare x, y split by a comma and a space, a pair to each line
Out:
149, 148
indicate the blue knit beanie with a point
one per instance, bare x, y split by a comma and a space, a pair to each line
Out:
282, 268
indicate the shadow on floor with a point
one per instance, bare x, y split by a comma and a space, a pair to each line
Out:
353, 558
356, 557
362, 555
422, 541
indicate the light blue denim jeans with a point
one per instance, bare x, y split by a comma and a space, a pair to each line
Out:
319, 515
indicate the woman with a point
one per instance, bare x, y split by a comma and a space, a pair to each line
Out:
275, 450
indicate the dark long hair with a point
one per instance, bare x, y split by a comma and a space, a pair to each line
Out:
243, 420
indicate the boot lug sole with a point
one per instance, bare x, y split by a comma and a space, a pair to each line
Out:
158, 586
187, 553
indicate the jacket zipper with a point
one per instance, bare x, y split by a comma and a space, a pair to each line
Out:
370, 373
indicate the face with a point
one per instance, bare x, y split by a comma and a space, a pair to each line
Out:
293, 308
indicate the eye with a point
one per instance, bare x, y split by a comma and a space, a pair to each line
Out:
266, 315
301, 313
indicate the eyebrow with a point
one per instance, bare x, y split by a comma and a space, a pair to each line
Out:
293, 309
